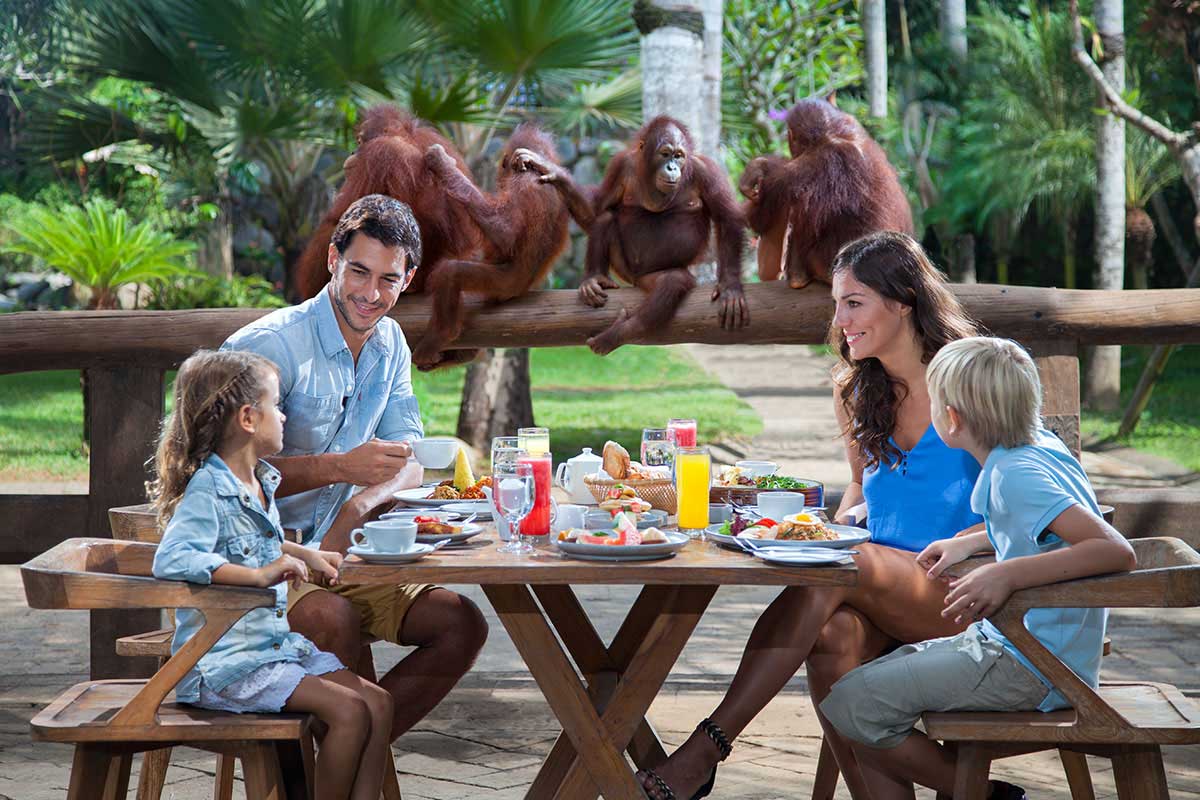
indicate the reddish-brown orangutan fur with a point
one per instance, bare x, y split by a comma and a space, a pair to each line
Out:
650, 238
524, 226
390, 160
837, 186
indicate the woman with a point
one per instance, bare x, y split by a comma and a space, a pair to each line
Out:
893, 313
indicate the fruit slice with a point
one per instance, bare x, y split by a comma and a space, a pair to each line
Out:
463, 477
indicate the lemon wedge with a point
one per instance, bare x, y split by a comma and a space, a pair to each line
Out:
463, 477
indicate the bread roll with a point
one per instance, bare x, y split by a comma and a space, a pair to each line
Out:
616, 461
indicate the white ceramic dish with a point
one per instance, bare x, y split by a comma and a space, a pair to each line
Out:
483, 508
629, 552
758, 469
804, 557
437, 452
465, 532
419, 497
418, 551
409, 513
848, 536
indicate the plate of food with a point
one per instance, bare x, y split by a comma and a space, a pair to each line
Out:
807, 557
801, 530
734, 485
441, 494
650, 518
615, 545
441, 515
430, 529
482, 509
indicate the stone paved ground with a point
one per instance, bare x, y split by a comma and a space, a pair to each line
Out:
486, 740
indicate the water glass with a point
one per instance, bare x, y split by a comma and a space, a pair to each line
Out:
505, 453
535, 441
693, 466
684, 431
512, 488
658, 447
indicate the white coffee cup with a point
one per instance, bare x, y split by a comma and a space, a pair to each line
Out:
386, 536
778, 505
437, 452
570, 516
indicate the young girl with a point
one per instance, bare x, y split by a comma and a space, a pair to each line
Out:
216, 497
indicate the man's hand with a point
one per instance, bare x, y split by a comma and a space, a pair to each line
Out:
979, 593
942, 554
376, 461
591, 291
285, 567
323, 566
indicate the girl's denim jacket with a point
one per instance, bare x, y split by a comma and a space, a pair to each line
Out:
218, 522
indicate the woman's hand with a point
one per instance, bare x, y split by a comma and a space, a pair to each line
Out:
323, 565
979, 593
284, 568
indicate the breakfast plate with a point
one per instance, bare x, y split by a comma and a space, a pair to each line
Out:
418, 551
625, 552
482, 508
806, 557
409, 513
419, 497
848, 536
464, 533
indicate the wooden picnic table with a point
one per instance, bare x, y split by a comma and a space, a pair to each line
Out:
603, 714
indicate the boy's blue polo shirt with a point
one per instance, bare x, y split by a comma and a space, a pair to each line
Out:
332, 404
1019, 493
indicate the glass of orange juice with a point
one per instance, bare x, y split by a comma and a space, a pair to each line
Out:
693, 466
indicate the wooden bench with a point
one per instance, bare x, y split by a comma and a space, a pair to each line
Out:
110, 720
1127, 722
138, 523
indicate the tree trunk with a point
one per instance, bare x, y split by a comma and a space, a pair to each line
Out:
1139, 246
214, 246
964, 258
1069, 232
496, 398
874, 23
710, 122
479, 388
954, 28
1102, 380
672, 56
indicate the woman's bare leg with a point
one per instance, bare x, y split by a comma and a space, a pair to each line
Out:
892, 592
349, 721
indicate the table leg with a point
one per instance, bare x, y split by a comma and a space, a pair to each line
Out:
603, 763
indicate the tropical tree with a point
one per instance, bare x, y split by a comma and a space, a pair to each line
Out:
98, 248
1149, 168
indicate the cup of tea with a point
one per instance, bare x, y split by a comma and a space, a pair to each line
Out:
386, 536
436, 452
778, 505
570, 516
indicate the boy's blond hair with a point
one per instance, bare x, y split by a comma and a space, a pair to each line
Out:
993, 384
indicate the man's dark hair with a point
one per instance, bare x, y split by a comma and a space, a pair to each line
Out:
384, 219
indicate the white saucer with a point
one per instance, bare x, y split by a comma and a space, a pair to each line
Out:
417, 552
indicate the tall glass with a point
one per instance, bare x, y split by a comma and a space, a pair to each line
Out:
505, 453
692, 476
535, 441
684, 431
537, 523
512, 486
658, 447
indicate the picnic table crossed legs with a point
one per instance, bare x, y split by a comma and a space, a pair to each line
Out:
603, 713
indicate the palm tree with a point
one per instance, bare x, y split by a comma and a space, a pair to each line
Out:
1149, 168
1026, 134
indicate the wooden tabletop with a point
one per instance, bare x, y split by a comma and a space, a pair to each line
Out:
699, 563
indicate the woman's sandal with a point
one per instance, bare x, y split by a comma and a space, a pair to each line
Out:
714, 732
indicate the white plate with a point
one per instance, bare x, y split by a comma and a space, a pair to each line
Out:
419, 551
467, 507
808, 557
627, 552
419, 497
848, 536
466, 532
409, 513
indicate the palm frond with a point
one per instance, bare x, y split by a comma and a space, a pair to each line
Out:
596, 107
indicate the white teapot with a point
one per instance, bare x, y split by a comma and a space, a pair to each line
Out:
570, 475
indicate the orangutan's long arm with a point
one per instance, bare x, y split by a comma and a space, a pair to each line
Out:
500, 228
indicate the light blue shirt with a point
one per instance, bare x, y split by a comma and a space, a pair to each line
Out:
923, 496
1020, 493
332, 404
218, 522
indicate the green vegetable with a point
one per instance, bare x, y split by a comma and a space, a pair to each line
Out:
780, 482
725, 529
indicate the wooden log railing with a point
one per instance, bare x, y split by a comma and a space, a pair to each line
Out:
126, 353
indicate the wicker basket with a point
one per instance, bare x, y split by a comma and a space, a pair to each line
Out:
658, 492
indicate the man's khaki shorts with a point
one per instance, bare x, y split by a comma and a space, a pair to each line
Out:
381, 608
879, 703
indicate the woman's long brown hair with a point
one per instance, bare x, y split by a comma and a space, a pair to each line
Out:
209, 389
896, 267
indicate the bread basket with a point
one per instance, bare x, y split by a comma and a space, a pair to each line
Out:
658, 492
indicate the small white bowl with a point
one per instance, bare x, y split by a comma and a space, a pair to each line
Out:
436, 453
758, 469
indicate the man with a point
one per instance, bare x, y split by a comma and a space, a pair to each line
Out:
351, 414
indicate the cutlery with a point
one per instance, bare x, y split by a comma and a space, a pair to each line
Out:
439, 544
464, 523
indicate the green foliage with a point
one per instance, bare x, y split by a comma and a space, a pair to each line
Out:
97, 247
211, 291
1149, 167
596, 108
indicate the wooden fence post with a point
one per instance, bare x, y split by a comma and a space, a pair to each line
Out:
1058, 365
126, 406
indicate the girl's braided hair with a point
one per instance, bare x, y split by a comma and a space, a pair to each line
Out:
210, 388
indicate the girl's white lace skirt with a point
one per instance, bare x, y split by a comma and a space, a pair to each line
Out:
266, 689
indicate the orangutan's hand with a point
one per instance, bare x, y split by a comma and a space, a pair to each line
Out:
524, 159
734, 312
439, 161
591, 291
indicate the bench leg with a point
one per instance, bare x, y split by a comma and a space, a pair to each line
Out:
971, 772
97, 765
223, 780
1079, 777
260, 768
153, 774
1139, 774
826, 780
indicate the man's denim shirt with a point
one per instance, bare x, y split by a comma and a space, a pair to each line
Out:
218, 522
332, 405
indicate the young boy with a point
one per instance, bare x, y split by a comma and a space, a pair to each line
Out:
1044, 525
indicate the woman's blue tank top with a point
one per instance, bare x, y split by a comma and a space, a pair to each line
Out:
923, 496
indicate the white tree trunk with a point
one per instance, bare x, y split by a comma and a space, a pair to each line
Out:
954, 27
874, 22
1102, 382
710, 122
672, 72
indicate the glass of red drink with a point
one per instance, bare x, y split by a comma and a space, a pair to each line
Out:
537, 523
684, 431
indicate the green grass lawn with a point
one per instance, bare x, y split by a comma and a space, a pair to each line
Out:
584, 399
1170, 426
